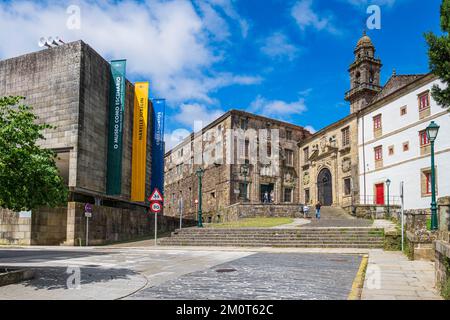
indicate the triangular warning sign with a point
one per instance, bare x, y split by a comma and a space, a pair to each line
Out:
156, 196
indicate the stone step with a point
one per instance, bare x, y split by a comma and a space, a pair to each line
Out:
348, 237
280, 235
302, 231
278, 239
360, 229
269, 241
280, 245
270, 244
277, 230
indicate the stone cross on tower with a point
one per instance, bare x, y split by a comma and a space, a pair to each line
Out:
364, 75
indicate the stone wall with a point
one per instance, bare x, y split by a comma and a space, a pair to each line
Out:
48, 226
14, 229
420, 239
241, 211
370, 211
442, 248
444, 219
442, 267
109, 224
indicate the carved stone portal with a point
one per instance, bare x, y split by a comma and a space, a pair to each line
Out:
306, 178
346, 164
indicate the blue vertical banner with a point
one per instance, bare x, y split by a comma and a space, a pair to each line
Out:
158, 114
115, 135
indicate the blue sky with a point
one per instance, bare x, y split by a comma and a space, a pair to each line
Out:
283, 59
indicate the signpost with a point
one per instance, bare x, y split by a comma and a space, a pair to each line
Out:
88, 215
156, 206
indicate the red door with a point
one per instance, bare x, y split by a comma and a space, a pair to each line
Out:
379, 191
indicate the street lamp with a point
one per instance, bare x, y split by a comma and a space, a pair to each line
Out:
245, 170
388, 184
432, 132
200, 173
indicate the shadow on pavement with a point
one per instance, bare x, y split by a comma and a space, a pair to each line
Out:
34, 256
53, 278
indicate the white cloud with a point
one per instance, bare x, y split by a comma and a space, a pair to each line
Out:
277, 108
277, 46
227, 7
167, 42
305, 17
311, 129
213, 21
175, 138
371, 2
306, 92
190, 113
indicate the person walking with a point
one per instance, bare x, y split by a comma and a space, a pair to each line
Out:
318, 206
266, 197
305, 211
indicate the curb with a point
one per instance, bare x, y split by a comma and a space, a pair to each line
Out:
15, 276
358, 282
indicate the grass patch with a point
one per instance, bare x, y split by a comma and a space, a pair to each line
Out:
407, 250
429, 224
445, 287
253, 223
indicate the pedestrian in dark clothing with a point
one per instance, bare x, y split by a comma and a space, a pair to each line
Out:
318, 206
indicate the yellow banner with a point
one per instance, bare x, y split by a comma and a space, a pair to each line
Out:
139, 158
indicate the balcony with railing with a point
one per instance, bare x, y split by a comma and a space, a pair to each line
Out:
362, 86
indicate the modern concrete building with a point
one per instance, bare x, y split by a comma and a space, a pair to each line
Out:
69, 87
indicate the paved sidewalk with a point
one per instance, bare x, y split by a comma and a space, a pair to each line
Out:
297, 222
391, 276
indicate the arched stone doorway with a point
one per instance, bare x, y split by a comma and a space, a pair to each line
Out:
325, 187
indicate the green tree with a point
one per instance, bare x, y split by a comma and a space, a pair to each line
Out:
439, 56
29, 177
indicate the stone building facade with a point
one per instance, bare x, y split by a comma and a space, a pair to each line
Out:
69, 87
329, 166
329, 159
229, 151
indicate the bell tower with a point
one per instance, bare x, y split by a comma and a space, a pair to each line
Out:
364, 75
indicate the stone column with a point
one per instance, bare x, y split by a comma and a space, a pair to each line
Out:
444, 218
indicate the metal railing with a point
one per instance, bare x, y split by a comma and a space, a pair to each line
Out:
371, 199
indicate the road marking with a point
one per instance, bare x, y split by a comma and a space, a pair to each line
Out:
358, 283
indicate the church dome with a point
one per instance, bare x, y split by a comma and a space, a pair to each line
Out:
365, 41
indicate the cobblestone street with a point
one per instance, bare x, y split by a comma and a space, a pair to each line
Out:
305, 276
200, 273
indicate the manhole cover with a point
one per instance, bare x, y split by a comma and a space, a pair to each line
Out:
225, 270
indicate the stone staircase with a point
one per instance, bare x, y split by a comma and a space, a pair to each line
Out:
332, 237
335, 217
